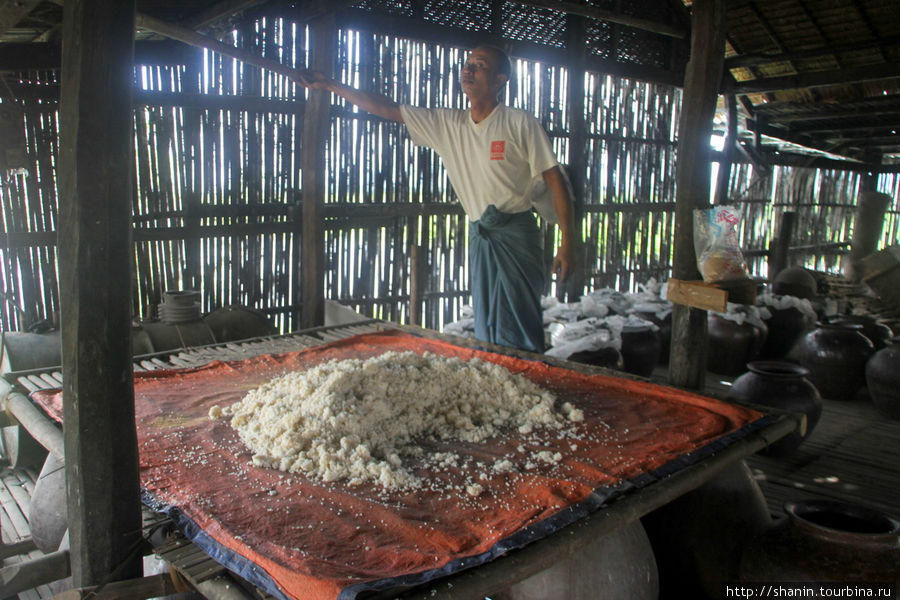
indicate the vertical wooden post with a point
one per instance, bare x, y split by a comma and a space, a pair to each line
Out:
868, 225
96, 167
724, 174
687, 367
316, 122
416, 283
192, 184
578, 149
778, 252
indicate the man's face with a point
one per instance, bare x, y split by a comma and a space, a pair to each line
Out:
479, 75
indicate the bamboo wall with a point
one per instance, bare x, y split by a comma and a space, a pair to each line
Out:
824, 201
217, 184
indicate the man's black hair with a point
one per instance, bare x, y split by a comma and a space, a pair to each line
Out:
504, 65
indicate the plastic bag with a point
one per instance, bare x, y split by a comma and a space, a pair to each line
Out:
719, 256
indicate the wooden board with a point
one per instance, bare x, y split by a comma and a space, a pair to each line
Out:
850, 457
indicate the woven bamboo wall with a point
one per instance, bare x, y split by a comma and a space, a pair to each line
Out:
825, 204
217, 184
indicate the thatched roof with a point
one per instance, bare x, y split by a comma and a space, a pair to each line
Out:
824, 74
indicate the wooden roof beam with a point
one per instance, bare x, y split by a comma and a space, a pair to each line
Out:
805, 139
749, 60
841, 126
764, 23
862, 106
860, 10
13, 11
219, 11
862, 113
593, 12
815, 79
821, 33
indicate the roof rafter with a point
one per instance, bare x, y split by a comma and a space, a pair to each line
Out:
816, 79
13, 11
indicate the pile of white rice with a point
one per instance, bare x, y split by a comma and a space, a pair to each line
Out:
356, 420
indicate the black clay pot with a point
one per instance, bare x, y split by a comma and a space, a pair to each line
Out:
731, 346
699, 537
836, 356
781, 385
795, 281
786, 327
824, 540
878, 333
664, 333
640, 350
604, 357
883, 379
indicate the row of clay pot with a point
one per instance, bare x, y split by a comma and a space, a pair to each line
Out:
788, 386
841, 360
642, 348
836, 355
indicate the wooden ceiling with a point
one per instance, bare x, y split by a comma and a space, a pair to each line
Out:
824, 74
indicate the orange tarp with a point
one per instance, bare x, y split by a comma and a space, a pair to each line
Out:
309, 540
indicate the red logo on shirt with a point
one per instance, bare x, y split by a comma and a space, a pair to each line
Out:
498, 150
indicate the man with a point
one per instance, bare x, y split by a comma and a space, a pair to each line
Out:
492, 153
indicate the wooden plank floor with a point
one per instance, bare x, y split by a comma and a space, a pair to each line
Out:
16, 489
850, 456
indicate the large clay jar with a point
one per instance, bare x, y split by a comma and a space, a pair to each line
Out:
883, 379
795, 281
731, 346
878, 333
620, 564
781, 385
664, 332
825, 541
836, 356
786, 327
609, 358
640, 349
699, 537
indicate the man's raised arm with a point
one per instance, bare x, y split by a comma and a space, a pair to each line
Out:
374, 103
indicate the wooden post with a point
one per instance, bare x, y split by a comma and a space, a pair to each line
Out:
96, 167
416, 283
578, 150
316, 124
778, 253
687, 367
868, 225
731, 142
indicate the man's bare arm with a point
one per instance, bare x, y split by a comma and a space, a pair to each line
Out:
564, 263
373, 103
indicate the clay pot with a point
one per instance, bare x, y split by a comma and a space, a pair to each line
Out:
621, 564
878, 333
640, 349
664, 333
730, 346
48, 512
795, 281
836, 356
786, 327
699, 537
604, 357
781, 385
825, 540
883, 379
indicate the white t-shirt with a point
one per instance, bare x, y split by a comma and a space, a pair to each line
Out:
491, 162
